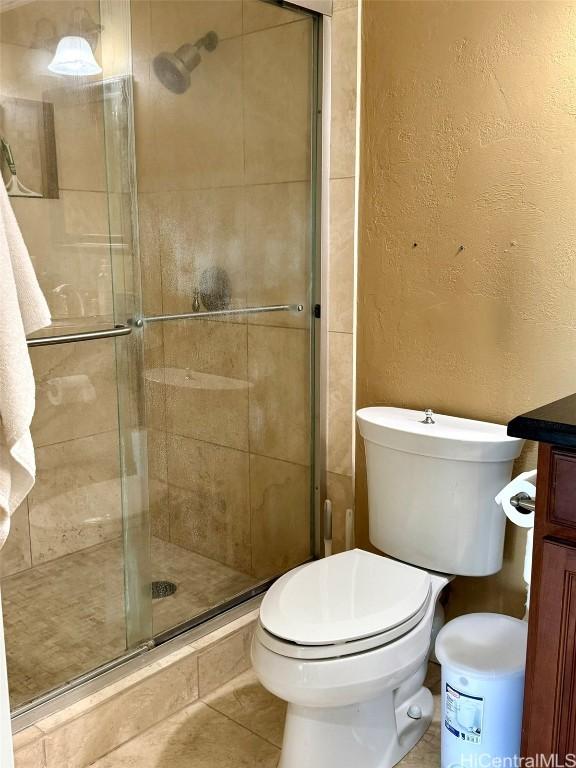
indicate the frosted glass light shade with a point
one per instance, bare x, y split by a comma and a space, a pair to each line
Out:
74, 57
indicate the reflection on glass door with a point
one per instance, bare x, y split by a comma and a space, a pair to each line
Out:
224, 108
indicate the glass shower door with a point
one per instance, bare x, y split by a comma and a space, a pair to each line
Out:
225, 108
74, 585
175, 457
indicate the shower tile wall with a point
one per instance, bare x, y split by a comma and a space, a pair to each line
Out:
229, 456
340, 397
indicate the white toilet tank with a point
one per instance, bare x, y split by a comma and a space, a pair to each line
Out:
431, 488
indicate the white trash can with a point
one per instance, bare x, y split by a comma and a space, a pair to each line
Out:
483, 656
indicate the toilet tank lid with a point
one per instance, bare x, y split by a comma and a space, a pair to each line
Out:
448, 437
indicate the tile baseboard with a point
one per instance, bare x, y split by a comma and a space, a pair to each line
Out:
79, 734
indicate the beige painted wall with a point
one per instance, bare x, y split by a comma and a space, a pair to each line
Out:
468, 139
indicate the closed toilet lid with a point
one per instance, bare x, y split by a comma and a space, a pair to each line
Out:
344, 597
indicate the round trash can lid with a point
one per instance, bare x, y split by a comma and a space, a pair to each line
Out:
483, 644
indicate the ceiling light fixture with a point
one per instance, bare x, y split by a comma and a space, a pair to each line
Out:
74, 53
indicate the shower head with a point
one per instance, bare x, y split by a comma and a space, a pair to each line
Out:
173, 69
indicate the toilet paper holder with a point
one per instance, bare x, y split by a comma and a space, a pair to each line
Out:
523, 503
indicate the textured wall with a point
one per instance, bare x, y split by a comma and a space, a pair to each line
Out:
468, 139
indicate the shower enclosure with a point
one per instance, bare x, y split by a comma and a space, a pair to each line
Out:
175, 239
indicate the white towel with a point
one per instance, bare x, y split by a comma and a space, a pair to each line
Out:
23, 310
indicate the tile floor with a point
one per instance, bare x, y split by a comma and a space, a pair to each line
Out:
76, 606
238, 726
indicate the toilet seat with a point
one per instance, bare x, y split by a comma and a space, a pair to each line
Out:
342, 605
336, 650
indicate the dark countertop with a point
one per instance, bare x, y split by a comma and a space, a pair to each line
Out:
553, 423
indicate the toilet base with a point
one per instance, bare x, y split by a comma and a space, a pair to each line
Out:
372, 734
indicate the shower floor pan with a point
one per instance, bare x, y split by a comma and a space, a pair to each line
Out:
66, 617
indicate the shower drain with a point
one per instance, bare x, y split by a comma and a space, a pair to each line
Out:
162, 589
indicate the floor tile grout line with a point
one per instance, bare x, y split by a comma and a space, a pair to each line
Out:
237, 722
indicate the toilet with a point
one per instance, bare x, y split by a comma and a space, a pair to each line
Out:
345, 640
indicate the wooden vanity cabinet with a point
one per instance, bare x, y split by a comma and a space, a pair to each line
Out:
549, 722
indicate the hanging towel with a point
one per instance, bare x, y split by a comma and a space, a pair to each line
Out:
23, 310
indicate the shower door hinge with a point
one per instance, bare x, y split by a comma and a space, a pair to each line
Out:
317, 310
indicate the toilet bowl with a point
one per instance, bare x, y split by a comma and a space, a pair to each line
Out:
346, 640
351, 661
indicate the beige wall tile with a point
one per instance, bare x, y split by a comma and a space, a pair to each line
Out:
80, 147
157, 455
19, 25
158, 484
340, 5
199, 231
225, 660
29, 749
40, 223
175, 22
258, 15
209, 508
68, 241
198, 135
340, 491
149, 248
24, 71
15, 555
76, 500
75, 391
278, 371
141, 29
84, 213
244, 621
154, 377
341, 269
340, 405
343, 127
114, 48
206, 382
159, 509
276, 81
119, 718
280, 515
148, 158
207, 346
278, 243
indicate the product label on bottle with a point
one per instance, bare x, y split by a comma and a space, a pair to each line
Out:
463, 715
